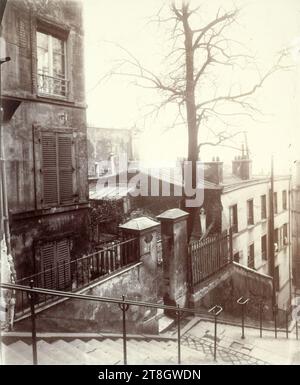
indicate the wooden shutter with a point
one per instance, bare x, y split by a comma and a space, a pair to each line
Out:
66, 170
63, 264
49, 169
48, 263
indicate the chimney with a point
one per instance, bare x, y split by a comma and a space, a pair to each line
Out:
297, 176
213, 171
135, 143
242, 166
112, 160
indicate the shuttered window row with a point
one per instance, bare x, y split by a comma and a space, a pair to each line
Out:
57, 168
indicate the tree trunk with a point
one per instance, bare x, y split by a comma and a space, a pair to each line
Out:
191, 112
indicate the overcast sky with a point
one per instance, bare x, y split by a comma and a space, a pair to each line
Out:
265, 27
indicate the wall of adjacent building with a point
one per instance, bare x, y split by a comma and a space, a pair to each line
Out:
248, 234
30, 222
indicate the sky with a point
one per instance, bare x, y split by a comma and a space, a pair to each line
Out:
264, 26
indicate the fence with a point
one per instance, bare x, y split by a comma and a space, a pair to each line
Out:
209, 256
79, 273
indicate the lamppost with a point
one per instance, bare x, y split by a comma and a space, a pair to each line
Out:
4, 229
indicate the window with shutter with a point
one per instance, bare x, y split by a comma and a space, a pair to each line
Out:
65, 168
63, 264
55, 265
58, 171
48, 261
49, 169
251, 261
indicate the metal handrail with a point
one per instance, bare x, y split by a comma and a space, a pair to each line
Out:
66, 294
243, 302
215, 310
124, 306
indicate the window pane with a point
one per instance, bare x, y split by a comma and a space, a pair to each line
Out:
58, 45
42, 40
43, 61
58, 66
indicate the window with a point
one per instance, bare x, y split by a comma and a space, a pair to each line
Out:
51, 65
284, 200
236, 257
55, 264
277, 278
285, 234
250, 212
275, 207
276, 240
263, 202
233, 218
57, 169
251, 262
264, 247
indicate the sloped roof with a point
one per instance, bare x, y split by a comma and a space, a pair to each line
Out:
111, 192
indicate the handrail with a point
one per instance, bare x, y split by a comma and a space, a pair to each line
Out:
124, 306
65, 294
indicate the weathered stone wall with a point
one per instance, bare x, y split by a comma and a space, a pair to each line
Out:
231, 283
90, 316
19, 76
29, 222
28, 232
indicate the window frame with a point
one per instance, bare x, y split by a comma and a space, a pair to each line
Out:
38, 167
275, 203
263, 203
250, 207
284, 200
264, 250
251, 258
233, 214
60, 32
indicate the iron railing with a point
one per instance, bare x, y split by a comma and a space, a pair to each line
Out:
124, 304
79, 273
50, 85
209, 256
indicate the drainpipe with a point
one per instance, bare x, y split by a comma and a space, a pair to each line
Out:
4, 205
289, 240
271, 234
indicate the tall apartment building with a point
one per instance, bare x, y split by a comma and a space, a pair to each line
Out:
296, 227
246, 208
44, 128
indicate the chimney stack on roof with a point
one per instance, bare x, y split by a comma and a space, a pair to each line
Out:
213, 171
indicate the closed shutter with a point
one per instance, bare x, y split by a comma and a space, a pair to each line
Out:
48, 263
49, 169
65, 168
63, 264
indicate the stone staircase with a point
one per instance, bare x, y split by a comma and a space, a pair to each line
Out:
92, 351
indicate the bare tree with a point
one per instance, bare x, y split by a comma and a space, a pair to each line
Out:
197, 54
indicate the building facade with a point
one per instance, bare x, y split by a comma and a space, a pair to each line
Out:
295, 201
44, 127
105, 145
246, 209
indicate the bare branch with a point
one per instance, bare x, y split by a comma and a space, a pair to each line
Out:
221, 138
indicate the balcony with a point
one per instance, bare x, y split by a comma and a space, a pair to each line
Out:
53, 86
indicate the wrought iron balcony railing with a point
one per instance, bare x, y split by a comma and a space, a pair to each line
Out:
54, 86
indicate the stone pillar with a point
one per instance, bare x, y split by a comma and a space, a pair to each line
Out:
145, 230
175, 257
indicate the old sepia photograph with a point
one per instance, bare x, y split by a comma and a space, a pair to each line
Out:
150, 185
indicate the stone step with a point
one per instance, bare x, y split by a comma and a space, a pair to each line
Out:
110, 348
60, 357
25, 351
97, 351
9, 356
81, 356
